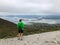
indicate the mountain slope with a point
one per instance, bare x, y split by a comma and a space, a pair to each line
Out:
7, 28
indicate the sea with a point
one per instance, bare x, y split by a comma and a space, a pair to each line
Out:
29, 19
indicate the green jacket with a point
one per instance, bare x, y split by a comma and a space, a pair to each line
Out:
20, 24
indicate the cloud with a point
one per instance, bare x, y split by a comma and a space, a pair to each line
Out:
56, 6
29, 6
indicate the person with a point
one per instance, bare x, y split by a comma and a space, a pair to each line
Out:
20, 27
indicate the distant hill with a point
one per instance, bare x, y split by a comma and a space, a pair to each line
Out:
52, 17
9, 29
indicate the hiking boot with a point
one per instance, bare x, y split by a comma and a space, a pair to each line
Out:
21, 39
18, 38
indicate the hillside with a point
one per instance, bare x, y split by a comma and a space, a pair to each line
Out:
9, 29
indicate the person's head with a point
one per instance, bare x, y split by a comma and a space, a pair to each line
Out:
20, 20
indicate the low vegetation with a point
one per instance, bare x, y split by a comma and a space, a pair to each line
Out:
9, 29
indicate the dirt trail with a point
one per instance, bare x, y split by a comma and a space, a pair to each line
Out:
49, 38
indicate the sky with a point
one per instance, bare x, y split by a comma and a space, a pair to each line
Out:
14, 7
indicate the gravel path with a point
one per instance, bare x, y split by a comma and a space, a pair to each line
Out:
49, 38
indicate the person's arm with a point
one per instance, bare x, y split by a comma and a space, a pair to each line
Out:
23, 26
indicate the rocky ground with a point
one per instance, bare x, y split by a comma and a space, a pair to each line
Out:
49, 38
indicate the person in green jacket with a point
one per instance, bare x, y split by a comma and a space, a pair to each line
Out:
20, 27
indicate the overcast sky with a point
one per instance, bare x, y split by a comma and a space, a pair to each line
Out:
8, 7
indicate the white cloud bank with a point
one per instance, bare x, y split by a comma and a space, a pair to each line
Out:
8, 7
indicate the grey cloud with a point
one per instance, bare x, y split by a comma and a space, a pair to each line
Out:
29, 6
